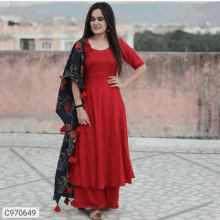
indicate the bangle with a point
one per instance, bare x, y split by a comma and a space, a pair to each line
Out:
78, 106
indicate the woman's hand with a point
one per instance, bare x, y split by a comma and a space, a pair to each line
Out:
117, 81
83, 117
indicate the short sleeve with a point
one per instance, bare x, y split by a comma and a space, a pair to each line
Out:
130, 55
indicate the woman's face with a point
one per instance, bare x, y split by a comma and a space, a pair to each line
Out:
97, 22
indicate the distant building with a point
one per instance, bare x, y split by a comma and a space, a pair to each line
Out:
58, 33
57, 20
12, 20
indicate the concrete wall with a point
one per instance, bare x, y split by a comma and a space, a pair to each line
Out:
178, 96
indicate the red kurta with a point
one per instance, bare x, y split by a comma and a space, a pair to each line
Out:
101, 152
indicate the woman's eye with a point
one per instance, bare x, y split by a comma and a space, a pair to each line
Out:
100, 19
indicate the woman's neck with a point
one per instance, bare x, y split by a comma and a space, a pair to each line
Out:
100, 37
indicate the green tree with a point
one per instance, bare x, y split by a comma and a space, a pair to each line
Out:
177, 41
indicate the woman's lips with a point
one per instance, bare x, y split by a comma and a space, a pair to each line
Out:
96, 28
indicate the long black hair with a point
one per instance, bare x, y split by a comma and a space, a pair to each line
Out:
111, 34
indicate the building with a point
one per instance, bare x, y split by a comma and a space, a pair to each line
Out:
58, 33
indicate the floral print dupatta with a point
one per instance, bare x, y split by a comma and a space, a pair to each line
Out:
65, 108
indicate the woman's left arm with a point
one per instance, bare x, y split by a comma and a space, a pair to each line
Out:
135, 75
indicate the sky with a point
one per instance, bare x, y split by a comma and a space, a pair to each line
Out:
163, 12
27, 3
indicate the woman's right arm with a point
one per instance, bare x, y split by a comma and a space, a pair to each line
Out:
81, 113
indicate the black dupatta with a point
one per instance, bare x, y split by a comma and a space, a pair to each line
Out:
65, 108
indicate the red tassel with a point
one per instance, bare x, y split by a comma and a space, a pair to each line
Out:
61, 77
63, 129
83, 95
57, 209
66, 201
72, 160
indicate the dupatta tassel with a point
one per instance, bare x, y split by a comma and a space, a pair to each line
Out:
83, 95
57, 209
66, 201
66, 127
71, 203
63, 129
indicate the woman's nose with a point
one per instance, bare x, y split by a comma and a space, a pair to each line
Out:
96, 21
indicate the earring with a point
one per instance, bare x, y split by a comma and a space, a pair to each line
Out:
108, 30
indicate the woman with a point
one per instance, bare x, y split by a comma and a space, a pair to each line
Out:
101, 150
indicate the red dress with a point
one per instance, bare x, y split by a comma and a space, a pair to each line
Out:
101, 152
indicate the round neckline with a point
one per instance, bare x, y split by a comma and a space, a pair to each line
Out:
93, 48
